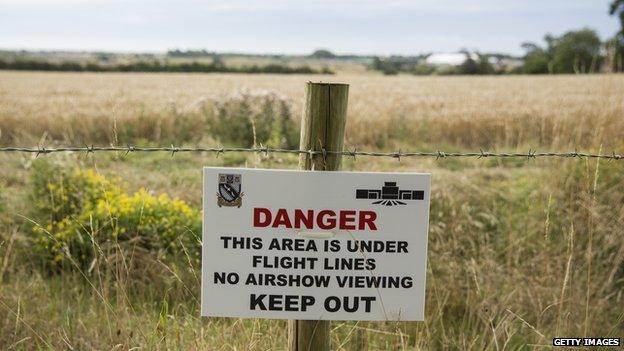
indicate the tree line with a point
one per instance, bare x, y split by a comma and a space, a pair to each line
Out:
22, 64
579, 51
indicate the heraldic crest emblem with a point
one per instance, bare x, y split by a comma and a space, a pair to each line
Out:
229, 190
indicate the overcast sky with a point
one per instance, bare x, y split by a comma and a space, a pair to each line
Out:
294, 27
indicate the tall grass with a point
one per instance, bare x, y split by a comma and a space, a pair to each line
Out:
516, 256
519, 251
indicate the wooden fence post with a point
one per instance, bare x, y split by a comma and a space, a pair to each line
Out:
322, 127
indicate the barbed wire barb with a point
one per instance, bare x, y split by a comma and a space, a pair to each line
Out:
398, 155
353, 153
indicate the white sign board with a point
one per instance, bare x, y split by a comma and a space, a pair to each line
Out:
314, 245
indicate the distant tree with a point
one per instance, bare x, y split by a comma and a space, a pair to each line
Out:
322, 53
573, 52
174, 53
485, 67
471, 66
377, 64
615, 46
536, 63
386, 67
406, 64
188, 53
617, 7
551, 42
576, 52
531, 48
536, 59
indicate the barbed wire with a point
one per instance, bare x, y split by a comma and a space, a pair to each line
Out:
531, 154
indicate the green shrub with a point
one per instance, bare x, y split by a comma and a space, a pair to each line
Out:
81, 213
59, 194
250, 118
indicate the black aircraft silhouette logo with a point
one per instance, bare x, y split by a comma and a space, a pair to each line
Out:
389, 195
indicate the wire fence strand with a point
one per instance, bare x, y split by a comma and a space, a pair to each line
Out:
530, 154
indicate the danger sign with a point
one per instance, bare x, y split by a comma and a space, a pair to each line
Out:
314, 245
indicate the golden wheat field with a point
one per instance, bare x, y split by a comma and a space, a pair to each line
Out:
510, 111
520, 251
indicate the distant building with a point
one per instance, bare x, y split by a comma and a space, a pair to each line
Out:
448, 59
499, 62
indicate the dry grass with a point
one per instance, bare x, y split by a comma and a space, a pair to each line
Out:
519, 251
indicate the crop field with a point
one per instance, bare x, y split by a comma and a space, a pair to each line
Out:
101, 251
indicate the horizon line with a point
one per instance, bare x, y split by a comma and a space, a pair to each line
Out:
243, 53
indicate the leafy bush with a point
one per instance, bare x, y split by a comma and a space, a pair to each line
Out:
59, 194
80, 212
248, 118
